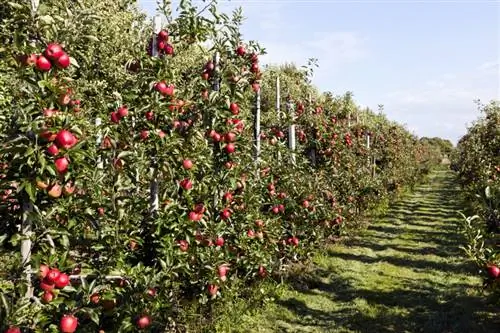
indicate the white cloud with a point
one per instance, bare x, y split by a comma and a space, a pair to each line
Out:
444, 106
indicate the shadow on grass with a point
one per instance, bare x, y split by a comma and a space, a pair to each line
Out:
428, 304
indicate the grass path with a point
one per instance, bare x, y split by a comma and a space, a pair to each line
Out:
405, 273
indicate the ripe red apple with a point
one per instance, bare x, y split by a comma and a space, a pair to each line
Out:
275, 210
151, 292
295, 241
193, 216
212, 289
53, 275
271, 187
262, 271
228, 197
281, 208
47, 297
230, 137
13, 329
230, 148
43, 271
205, 76
55, 191
100, 211
143, 321
234, 108
53, 150
183, 245
95, 298
225, 214
186, 184
53, 51
251, 233
161, 87
187, 164
219, 241
241, 50
149, 115
122, 111
169, 49
305, 204
43, 63
163, 35
144, 134
62, 281
222, 271
65, 139
46, 285
255, 87
61, 164
494, 271
63, 61
49, 112
68, 324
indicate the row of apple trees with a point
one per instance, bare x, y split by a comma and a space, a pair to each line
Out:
130, 174
477, 163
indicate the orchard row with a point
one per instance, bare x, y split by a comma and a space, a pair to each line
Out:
138, 177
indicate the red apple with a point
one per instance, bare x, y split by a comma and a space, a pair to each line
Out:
122, 111
13, 329
151, 292
95, 298
100, 211
225, 214
493, 271
68, 324
187, 164
43, 271
53, 150
186, 184
144, 134
219, 241
193, 216
143, 321
241, 50
47, 297
230, 137
61, 164
228, 197
251, 233
183, 245
53, 275
65, 139
230, 148
222, 271
63, 61
169, 49
262, 271
55, 191
149, 115
46, 285
234, 108
62, 281
43, 64
163, 35
53, 51
212, 289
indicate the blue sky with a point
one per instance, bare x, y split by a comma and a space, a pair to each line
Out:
425, 61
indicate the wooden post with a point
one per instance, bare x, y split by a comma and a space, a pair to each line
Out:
153, 186
291, 130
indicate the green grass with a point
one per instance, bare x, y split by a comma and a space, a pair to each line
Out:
405, 273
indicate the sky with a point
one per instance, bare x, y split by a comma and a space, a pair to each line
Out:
424, 61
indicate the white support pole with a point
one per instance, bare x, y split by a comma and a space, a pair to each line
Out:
291, 131
153, 187
215, 81
26, 231
98, 122
257, 129
278, 105
26, 222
